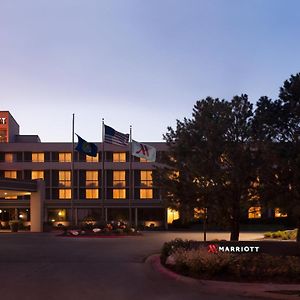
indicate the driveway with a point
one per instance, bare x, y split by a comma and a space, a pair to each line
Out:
44, 266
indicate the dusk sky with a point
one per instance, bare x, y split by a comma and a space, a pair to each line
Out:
143, 63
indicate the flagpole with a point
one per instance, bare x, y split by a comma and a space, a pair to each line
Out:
102, 171
72, 171
130, 177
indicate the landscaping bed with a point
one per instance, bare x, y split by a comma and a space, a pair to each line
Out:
281, 234
100, 229
275, 262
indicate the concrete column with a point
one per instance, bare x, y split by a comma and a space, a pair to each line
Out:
136, 217
36, 207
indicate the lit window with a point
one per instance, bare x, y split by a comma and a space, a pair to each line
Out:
37, 175
119, 157
64, 193
254, 212
199, 213
38, 157
91, 194
9, 157
91, 178
146, 193
172, 215
64, 178
119, 179
3, 136
119, 193
146, 178
92, 158
10, 174
279, 214
65, 157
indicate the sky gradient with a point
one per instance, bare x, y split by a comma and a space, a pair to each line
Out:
143, 63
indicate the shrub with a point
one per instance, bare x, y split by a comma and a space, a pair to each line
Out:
268, 234
284, 235
258, 267
170, 247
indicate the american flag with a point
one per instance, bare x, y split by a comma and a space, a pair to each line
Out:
112, 136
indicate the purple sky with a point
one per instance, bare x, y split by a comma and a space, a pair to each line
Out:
143, 63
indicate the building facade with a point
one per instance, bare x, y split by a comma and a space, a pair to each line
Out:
26, 158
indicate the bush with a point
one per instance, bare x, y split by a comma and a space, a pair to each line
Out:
170, 247
202, 264
284, 235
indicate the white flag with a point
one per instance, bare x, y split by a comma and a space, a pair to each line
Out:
144, 151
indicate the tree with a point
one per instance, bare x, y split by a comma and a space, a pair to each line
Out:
277, 125
212, 153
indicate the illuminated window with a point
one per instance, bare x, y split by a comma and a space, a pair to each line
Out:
199, 213
37, 174
10, 174
119, 157
172, 215
64, 178
9, 157
65, 157
65, 193
254, 212
174, 175
146, 193
91, 178
279, 214
91, 194
119, 179
119, 193
3, 136
146, 178
92, 158
142, 159
38, 157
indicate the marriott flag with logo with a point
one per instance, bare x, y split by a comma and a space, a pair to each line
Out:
144, 151
112, 136
86, 148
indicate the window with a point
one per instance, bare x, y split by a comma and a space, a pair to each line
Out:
65, 157
119, 157
92, 158
37, 174
3, 136
91, 179
55, 215
9, 157
254, 212
199, 213
146, 178
64, 194
172, 215
119, 179
119, 193
142, 159
91, 194
64, 178
38, 157
146, 193
10, 174
279, 213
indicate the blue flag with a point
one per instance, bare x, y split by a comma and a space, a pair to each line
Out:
86, 148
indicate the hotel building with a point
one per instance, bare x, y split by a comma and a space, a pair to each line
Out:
36, 184
24, 159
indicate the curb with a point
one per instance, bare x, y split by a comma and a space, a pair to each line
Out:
262, 290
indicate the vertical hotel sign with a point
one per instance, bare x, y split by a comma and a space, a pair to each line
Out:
4, 127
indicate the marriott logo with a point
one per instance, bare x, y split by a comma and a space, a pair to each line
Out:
213, 248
